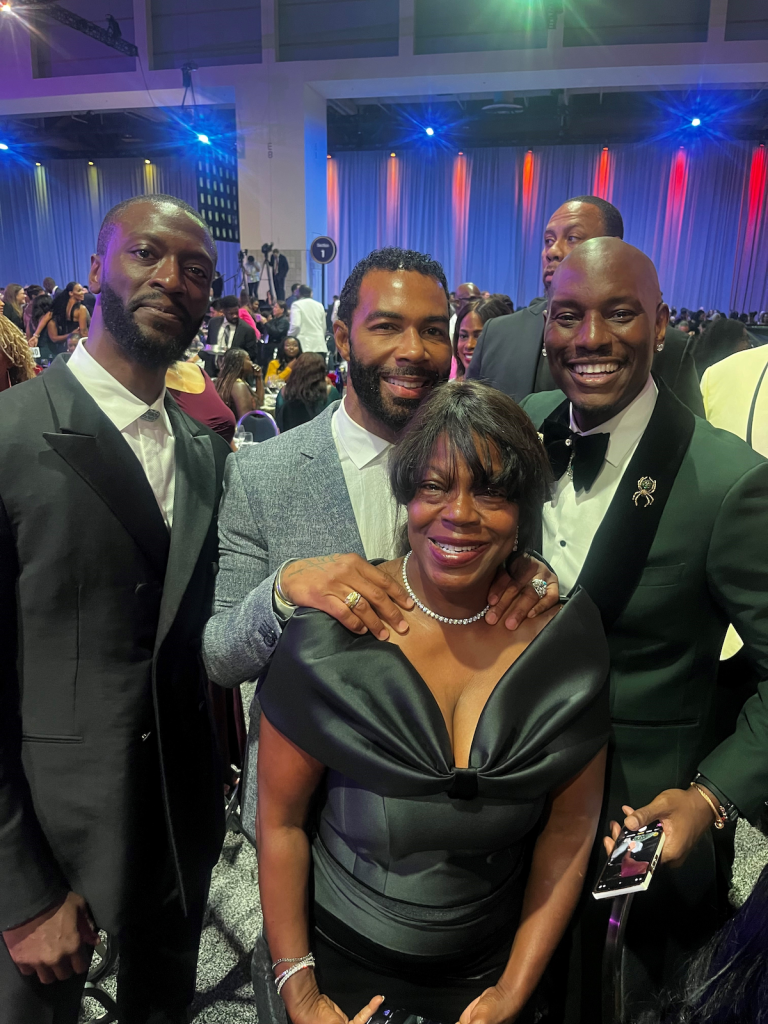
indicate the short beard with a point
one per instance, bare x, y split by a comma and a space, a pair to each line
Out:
141, 345
395, 413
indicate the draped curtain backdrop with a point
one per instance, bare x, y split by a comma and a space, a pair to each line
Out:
698, 212
50, 215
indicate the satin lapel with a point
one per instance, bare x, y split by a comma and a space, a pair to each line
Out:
620, 547
194, 504
324, 484
94, 448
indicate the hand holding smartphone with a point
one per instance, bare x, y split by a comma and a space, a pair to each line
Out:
385, 1016
631, 866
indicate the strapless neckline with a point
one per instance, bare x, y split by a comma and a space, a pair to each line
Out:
360, 707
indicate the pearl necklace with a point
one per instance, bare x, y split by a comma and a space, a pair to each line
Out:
428, 611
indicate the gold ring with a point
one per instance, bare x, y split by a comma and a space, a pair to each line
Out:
352, 600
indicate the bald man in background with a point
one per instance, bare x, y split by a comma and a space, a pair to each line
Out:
510, 351
660, 517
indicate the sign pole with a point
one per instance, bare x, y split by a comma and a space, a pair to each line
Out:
323, 266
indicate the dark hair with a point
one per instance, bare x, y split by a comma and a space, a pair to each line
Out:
229, 302
613, 222
294, 287
304, 291
280, 303
487, 309
307, 382
720, 340
477, 421
14, 302
727, 981
230, 370
281, 356
40, 306
243, 297
110, 222
33, 290
386, 259
59, 306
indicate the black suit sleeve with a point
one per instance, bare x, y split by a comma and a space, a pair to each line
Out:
31, 879
245, 337
737, 574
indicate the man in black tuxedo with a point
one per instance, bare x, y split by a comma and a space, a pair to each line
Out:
510, 351
232, 332
661, 519
110, 796
279, 265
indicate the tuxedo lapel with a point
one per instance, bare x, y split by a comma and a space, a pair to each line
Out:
194, 505
623, 540
93, 447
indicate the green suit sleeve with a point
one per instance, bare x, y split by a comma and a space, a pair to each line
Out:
737, 573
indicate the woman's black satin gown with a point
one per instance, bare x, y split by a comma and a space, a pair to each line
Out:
419, 867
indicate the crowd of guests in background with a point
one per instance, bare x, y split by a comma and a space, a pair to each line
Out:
54, 319
432, 482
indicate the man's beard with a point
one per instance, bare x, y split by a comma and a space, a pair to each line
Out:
394, 413
150, 348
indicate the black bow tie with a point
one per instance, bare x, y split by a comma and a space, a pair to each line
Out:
585, 454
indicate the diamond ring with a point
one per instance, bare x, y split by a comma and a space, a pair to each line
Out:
352, 600
540, 586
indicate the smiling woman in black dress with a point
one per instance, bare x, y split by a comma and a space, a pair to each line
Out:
427, 805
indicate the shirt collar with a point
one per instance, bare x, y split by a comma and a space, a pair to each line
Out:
628, 426
360, 444
114, 400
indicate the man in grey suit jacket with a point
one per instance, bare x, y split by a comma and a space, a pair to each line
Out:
510, 352
323, 488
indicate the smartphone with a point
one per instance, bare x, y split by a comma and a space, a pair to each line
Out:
631, 865
383, 1016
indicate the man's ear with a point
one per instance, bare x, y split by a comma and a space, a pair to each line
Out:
662, 322
94, 275
341, 336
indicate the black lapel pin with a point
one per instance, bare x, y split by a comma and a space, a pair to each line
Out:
646, 487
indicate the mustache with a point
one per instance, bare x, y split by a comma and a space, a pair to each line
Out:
408, 371
152, 302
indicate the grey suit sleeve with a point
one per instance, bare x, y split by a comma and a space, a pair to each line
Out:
737, 571
31, 878
475, 371
240, 638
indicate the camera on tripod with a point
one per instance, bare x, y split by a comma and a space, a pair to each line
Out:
241, 256
266, 249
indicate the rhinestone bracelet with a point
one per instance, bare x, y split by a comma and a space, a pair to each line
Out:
290, 960
306, 963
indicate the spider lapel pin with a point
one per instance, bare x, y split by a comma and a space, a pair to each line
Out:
646, 487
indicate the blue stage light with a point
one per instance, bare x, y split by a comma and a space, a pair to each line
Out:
430, 131
204, 139
695, 122
3, 145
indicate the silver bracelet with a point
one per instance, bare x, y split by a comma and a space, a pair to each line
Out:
278, 580
303, 965
290, 960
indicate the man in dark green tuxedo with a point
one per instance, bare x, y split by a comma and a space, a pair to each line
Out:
662, 519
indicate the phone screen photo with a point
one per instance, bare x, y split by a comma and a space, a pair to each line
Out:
631, 865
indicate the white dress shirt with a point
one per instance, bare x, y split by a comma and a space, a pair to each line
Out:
226, 334
363, 458
307, 323
572, 518
146, 428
